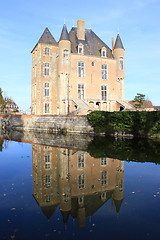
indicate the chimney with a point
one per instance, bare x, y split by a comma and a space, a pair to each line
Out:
81, 30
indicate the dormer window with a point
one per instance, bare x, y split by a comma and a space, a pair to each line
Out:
103, 52
80, 49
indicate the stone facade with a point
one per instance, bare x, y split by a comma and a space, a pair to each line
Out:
49, 124
78, 74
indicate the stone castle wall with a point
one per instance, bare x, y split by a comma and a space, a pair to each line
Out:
49, 124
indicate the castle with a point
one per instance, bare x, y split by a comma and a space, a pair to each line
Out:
78, 74
77, 182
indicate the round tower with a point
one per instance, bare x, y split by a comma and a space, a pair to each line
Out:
118, 53
118, 193
64, 69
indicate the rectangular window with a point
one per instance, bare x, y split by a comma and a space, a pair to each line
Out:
46, 89
104, 178
104, 71
46, 69
81, 160
65, 56
48, 198
47, 148
103, 161
47, 161
121, 185
66, 197
46, 51
104, 92
81, 91
81, 181
80, 69
121, 63
47, 181
46, 107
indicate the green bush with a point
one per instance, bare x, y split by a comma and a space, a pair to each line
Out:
140, 124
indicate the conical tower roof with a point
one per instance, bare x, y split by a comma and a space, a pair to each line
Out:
48, 210
118, 204
118, 43
65, 215
64, 34
47, 38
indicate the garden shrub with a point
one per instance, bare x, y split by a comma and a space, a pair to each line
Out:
140, 124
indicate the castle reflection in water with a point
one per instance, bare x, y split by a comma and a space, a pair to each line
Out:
77, 182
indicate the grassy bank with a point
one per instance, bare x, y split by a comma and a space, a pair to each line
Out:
139, 124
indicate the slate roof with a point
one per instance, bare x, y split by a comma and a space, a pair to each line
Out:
64, 34
65, 215
46, 38
91, 204
92, 43
118, 204
118, 42
49, 210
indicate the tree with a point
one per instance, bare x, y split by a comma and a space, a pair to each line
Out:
139, 99
3, 101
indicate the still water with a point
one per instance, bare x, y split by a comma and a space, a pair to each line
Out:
79, 190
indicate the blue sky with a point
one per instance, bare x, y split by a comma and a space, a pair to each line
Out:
23, 22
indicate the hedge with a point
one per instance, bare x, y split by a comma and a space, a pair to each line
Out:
140, 124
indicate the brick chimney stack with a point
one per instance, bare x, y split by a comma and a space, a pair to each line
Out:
81, 30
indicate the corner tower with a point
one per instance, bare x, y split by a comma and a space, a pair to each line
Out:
64, 69
44, 75
118, 53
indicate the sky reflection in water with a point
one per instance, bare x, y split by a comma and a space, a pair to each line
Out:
58, 193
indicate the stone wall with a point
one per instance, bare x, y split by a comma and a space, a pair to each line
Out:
71, 141
49, 124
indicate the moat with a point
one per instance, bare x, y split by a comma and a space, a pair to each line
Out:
77, 187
